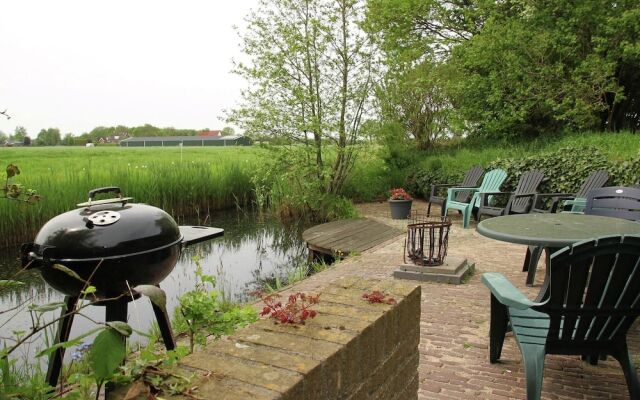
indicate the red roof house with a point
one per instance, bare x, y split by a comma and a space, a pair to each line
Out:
209, 133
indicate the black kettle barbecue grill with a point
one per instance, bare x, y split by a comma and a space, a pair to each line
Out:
115, 245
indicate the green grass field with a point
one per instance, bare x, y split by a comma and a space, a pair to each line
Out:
186, 182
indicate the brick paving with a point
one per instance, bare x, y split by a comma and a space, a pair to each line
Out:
454, 338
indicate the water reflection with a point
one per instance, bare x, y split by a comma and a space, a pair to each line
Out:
252, 249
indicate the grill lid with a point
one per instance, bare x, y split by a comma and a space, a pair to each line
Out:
106, 229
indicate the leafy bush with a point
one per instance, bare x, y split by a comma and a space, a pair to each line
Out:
371, 178
626, 173
565, 169
292, 190
396, 149
202, 312
419, 181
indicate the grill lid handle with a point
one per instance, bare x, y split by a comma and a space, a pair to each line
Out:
108, 189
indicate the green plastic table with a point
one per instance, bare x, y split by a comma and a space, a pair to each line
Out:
553, 231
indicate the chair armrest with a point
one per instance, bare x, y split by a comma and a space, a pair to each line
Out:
439, 185
555, 199
525, 194
505, 292
484, 197
556, 194
436, 186
494, 193
451, 192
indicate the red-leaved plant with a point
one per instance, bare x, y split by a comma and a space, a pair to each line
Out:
399, 194
295, 311
378, 297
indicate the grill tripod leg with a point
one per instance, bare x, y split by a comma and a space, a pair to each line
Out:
64, 328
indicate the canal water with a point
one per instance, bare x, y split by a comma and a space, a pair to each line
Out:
253, 249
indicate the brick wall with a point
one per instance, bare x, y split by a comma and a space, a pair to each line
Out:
351, 350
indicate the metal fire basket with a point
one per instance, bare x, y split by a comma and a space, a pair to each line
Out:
427, 239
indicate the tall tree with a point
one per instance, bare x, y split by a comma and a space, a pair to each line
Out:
227, 131
68, 139
546, 65
48, 137
310, 80
520, 67
414, 96
415, 37
19, 134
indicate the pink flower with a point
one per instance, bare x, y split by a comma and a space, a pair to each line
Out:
399, 194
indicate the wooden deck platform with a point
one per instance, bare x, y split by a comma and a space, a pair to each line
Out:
347, 236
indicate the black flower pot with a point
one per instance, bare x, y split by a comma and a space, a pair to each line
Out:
400, 209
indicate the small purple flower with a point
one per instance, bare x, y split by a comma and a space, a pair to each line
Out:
84, 346
81, 350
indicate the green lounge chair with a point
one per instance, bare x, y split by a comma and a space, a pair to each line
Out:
591, 299
614, 201
520, 201
490, 183
471, 179
573, 202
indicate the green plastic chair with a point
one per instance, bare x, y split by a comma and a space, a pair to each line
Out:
591, 299
573, 202
490, 183
471, 179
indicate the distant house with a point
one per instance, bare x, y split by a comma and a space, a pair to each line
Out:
168, 141
113, 138
14, 143
209, 133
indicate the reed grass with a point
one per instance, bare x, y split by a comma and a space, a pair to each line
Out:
194, 181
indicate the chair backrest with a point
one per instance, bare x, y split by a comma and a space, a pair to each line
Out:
472, 176
471, 179
596, 180
594, 291
614, 201
528, 183
490, 183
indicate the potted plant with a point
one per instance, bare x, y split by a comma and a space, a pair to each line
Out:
400, 203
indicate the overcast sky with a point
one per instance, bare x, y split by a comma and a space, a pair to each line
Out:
79, 64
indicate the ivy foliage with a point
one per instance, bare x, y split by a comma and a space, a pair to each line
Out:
565, 170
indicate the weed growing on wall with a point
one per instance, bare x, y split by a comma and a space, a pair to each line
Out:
203, 313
